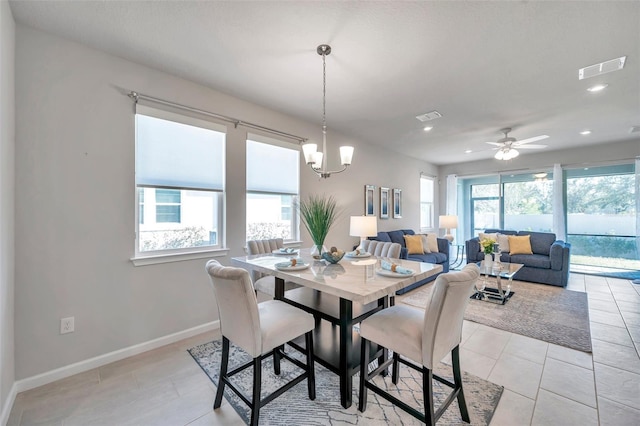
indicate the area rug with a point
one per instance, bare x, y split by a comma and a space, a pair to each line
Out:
295, 408
544, 312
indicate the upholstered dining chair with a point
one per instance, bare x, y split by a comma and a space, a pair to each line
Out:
420, 339
382, 248
261, 330
261, 282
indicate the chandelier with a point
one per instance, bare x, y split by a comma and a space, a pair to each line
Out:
317, 159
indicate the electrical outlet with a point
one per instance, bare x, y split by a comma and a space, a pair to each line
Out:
67, 325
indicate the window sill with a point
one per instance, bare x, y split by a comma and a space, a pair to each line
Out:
177, 257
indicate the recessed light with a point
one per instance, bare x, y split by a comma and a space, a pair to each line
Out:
426, 129
585, 132
468, 151
597, 88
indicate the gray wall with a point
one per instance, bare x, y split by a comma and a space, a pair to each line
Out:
7, 203
75, 207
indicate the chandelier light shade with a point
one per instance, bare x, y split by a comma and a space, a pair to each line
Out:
363, 227
317, 159
506, 153
448, 222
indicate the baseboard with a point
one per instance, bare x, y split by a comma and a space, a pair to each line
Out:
8, 404
99, 361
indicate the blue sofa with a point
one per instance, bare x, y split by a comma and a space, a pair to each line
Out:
440, 258
549, 263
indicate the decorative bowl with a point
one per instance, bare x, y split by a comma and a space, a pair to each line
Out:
333, 256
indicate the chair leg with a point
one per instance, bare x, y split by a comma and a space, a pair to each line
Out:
257, 381
276, 359
457, 377
395, 371
427, 389
364, 374
311, 370
223, 372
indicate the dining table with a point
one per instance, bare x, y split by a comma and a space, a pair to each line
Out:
339, 296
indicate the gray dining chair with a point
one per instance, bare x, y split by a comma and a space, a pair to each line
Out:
261, 330
262, 282
420, 339
382, 248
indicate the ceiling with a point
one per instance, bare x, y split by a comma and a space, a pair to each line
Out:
482, 65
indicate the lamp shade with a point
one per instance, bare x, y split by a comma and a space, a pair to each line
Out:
363, 226
448, 221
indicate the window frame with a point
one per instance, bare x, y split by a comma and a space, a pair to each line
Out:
430, 204
148, 257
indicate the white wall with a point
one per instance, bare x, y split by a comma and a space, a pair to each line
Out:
75, 203
7, 205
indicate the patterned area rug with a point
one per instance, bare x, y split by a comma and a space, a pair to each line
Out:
544, 312
295, 408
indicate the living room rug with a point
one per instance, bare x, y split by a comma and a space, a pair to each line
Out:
544, 312
295, 408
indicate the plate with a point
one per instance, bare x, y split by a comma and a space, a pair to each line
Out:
282, 267
283, 253
355, 256
386, 273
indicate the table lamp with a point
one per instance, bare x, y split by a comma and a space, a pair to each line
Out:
363, 227
448, 222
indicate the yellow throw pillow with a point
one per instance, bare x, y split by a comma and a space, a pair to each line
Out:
414, 244
520, 244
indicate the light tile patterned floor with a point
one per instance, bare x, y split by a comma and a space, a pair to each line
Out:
545, 384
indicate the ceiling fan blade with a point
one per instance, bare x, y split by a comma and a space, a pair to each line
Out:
495, 143
533, 139
532, 146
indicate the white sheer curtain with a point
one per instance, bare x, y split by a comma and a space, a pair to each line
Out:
637, 206
559, 223
451, 204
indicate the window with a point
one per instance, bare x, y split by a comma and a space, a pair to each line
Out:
179, 180
426, 202
273, 170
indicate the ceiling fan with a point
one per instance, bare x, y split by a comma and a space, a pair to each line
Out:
507, 145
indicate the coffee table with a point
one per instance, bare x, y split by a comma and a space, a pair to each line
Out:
498, 270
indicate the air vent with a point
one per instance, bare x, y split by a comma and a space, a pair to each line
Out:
601, 68
429, 116
634, 129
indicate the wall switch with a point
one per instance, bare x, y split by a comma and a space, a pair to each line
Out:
67, 325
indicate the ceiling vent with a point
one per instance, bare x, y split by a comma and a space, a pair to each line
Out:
428, 116
601, 68
634, 129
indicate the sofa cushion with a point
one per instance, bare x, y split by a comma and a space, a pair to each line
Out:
397, 237
519, 244
503, 241
540, 241
428, 258
533, 260
384, 237
414, 244
432, 243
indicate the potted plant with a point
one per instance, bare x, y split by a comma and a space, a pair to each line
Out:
487, 247
318, 213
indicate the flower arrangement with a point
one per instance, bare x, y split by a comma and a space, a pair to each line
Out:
487, 245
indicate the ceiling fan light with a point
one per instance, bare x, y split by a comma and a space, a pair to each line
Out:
499, 155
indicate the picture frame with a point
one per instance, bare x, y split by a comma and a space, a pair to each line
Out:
369, 204
384, 203
397, 203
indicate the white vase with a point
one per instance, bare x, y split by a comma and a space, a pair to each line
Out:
488, 260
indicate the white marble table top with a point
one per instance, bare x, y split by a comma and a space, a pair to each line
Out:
357, 280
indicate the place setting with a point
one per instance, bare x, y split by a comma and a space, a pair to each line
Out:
294, 264
286, 251
394, 270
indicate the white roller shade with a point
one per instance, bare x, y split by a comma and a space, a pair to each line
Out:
178, 155
272, 168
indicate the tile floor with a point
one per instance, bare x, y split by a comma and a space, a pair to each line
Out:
544, 384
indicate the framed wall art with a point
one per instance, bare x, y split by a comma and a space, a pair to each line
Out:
397, 203
384, 203
369, 206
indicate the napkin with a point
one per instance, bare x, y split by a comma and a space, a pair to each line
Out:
357, 252
292, 262
399, 269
